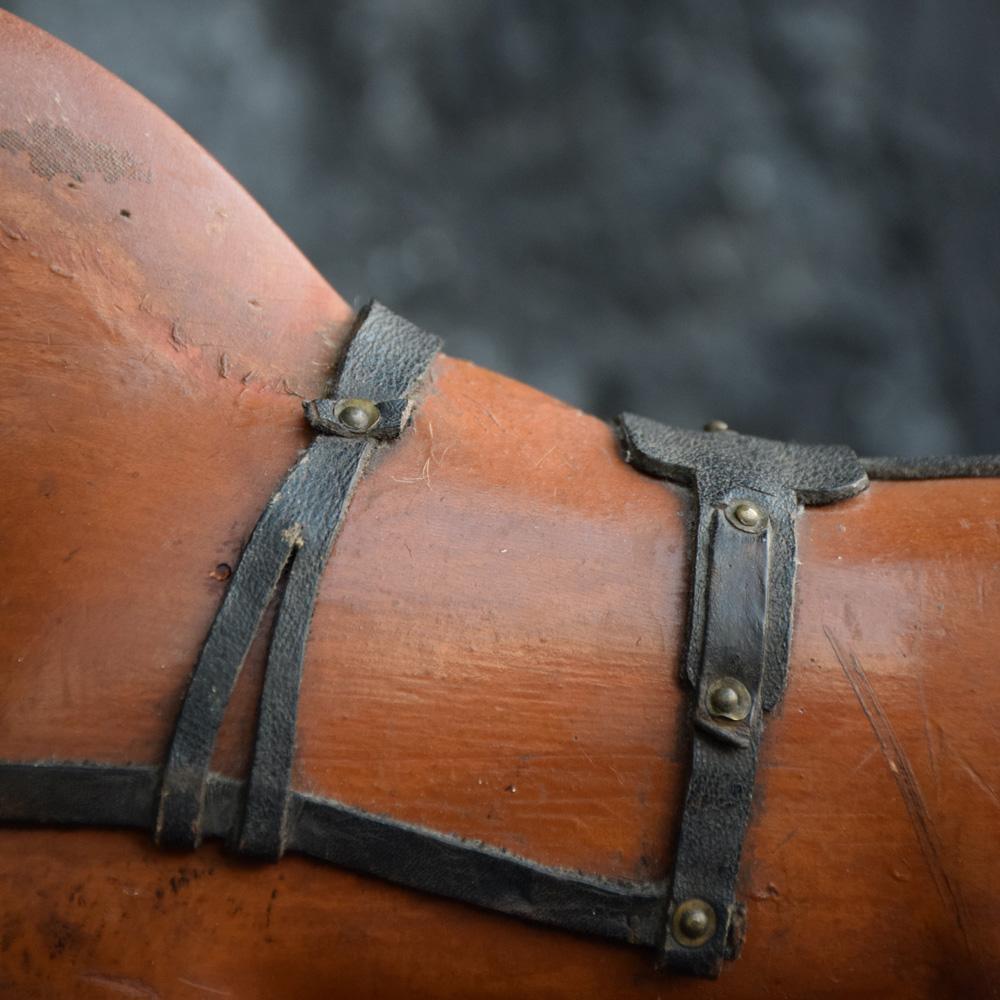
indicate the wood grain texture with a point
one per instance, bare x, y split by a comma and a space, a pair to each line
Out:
495, 646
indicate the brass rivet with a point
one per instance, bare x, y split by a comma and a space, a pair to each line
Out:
716, 425
746, 516
693, 923
727, 698
357, 415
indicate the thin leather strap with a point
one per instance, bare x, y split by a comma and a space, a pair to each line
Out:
940, 467
385, 359
336, 464
739, 630
50, 793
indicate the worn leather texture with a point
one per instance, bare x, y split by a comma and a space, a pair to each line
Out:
739, 626
817, 474
719, 465
385, 359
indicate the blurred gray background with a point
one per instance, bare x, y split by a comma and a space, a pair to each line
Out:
783, 214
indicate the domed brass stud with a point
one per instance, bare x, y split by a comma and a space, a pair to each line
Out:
746, 516
357, 415
693, 923
716, 425
727, 698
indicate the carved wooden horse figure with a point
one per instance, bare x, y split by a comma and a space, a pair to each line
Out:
434, 686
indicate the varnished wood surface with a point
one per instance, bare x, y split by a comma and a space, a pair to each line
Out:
495, 647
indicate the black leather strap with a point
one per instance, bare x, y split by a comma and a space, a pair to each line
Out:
739, 631
335, 465
49, 793
942, 467
385, 360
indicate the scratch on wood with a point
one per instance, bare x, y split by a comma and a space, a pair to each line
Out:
424, 477
864, 760
977, 778
122, 986
927, 736
788, 838
545, 456
447, 448
906, 782
224, 365
485, 409
205, 989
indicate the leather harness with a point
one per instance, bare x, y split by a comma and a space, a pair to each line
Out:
749, 493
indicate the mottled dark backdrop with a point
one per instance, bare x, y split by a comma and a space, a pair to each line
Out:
786, 214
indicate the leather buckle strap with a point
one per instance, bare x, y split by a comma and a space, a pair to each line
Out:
748, 492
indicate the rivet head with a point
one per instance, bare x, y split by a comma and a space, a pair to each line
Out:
357, 415
746, 516
727, 698
693, 923
716, 425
